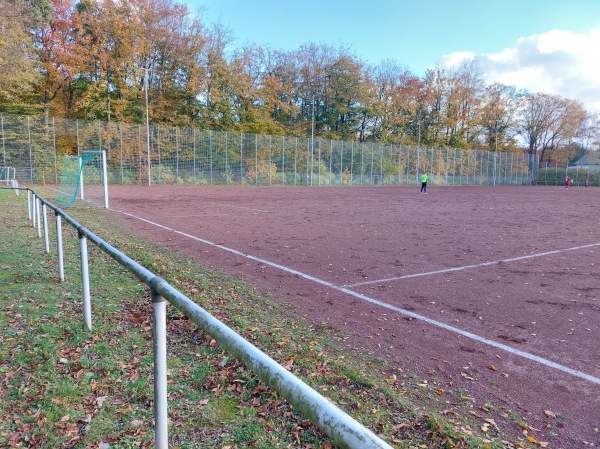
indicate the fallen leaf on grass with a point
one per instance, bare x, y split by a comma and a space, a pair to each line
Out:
549, 413
492, 422
392, 379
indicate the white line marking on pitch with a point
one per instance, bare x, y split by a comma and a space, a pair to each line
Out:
466, 267
176, 217
247, 208
456, 330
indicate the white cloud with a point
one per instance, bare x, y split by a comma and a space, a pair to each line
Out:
558, 61
454, 59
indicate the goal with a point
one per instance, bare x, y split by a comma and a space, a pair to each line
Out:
8, 177
85, 177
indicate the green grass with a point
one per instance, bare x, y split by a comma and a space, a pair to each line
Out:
63, 386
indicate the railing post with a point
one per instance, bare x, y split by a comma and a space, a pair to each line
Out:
159, 309
59, 248
85, 279
33, 203
46, 238
39, 218
29, 204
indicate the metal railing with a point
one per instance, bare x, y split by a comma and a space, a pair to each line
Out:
342, 428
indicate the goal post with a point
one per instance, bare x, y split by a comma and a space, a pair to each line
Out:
93, 166
87, 170
7, 174
8, 177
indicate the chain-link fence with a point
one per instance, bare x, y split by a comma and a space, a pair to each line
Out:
163, 155
580, 175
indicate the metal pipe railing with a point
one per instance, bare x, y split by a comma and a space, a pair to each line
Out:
342, 428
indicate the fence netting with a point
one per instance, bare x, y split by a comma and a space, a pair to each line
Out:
156, 155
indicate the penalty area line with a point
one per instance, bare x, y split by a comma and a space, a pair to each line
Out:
346, 290
468, 267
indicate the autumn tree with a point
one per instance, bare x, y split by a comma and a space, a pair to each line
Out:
217, 85
396, 103
547, 121
498, 116
17, 68
61, 56
279, 89
94, 59
345, 100
459, 92
104, 88
435, 86
589, 134
312, 89
264, 90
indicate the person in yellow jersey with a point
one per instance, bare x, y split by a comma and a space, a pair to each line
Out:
424, 183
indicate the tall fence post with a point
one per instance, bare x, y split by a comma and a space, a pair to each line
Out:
255, 156
331, 152
3, 143
176, 156
283, 159
85, 279
210, 149
59, 248
105, 174
121, 150
194, 148
46, 238
241, 158
54, 147
159, 313
80, 161
30, 149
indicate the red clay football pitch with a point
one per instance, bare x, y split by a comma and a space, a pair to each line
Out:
494, 291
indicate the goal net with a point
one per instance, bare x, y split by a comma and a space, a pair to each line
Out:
84, 177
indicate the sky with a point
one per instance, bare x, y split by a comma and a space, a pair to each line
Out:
548, 46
